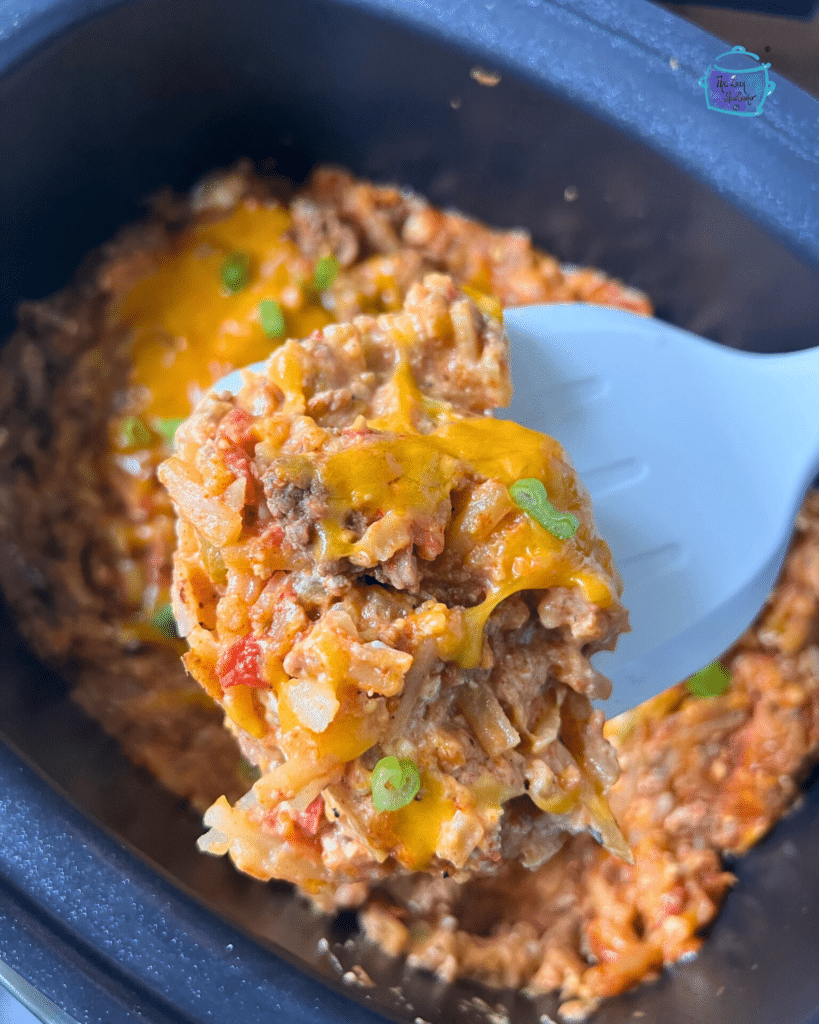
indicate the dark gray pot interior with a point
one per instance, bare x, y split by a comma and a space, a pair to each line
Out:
715, 217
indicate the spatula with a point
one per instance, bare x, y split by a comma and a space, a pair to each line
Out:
696, 457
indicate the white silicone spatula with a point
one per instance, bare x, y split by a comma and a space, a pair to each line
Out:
696, 457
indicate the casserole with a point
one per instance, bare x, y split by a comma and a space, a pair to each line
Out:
198, 88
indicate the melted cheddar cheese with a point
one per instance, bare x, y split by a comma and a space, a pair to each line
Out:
396, 473
188, 330
411, 834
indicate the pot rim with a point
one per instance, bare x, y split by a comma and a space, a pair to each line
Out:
71, 955
776, 158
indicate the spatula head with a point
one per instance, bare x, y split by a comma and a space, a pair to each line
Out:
640, 408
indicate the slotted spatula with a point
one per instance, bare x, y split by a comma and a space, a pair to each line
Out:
696, 457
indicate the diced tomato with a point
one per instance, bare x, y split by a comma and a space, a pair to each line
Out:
430, 540
273, 536
310, 818
611, 294
671, 904
238, 462
235, 427
637, 305
239, 665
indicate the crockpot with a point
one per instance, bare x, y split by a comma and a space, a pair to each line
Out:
804, 9
590, 130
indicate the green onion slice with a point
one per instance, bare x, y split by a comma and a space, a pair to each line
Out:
271, 318
163, 620
531, 496
167, 426
711, 681
134, 433
236, 272
394, 783
325, 273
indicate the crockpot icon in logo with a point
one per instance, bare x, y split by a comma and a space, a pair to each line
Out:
737, 83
